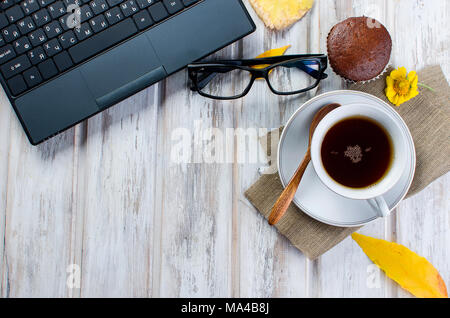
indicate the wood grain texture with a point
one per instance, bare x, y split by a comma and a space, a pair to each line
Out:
107, 196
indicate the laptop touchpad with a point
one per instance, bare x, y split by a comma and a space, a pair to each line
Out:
123, 71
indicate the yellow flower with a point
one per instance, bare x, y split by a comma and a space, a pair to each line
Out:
401, 87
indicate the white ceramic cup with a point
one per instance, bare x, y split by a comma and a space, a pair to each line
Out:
373, 193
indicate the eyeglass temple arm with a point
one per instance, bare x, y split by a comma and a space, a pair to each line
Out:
271, 60
314, 73
207, 77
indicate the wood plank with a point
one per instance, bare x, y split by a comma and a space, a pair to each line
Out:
5, 119
195, 197
423, 226
117, 169
37, 215
75, 234
423, 220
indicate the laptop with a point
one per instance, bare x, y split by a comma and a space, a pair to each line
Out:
57, 73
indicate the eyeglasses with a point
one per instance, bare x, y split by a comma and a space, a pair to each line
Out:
231, 79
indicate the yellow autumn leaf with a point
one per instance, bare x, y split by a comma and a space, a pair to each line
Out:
270, 53
280, 14
411, 271
274, 52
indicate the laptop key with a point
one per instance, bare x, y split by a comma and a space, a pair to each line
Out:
142, 20
71, 20
67, 39
98, 23
37, 55
53, 29
73, 2
114, 15
15, 66
57, 9
158, 11
26, 25
37, 37
17, 85
45, 3
29, 6
6, 53
98, 6
145, 3
14, 14
41, 17
63, 21
22, 45
113, 3
103, 40
3, 20
63, 61
52, 47
48, 69
32, 77
86, 13
173, 6
83, 32
5, 4
11, 33
129, 8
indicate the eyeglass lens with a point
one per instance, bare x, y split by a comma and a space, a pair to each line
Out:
293, 77
227, 84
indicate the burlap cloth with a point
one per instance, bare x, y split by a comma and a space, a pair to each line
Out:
428, 118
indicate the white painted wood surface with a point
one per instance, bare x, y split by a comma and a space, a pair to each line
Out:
106, 196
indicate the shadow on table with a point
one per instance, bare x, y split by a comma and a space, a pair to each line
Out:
58, 144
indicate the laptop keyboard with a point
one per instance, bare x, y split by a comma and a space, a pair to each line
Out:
38, 40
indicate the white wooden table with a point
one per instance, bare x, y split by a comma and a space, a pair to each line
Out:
106, 197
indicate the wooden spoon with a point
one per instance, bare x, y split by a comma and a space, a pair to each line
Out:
288, 193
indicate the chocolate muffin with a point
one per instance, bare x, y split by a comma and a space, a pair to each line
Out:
359, 48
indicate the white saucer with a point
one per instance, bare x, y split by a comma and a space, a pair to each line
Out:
312, 196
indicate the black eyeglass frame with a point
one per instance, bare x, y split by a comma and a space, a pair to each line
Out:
223, 66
